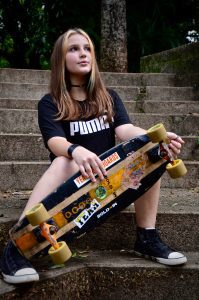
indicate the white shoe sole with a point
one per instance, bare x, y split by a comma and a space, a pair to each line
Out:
169, 261
172, 261
20, 278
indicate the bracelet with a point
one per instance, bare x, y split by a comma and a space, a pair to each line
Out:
71, 148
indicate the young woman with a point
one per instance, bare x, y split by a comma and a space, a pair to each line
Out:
78, 121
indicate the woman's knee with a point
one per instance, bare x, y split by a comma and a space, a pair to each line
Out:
64, 165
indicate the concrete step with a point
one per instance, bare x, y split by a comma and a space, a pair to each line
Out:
177, 221
183, 124
29, 147
141, 106
21, 175
158, 93
20, 147
169, 107
13, 103
41, 76
18, 121
26, 122
24, 76
22, 90
110, 275
150, 79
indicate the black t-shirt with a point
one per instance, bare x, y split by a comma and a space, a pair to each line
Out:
95, 134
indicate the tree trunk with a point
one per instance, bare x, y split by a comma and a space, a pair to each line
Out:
113, 50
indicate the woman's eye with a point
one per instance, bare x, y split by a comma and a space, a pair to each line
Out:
87, 48
73, 49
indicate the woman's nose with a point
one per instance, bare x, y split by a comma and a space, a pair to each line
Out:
82, 53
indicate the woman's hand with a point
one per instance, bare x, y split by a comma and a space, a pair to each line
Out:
176, 143
89, 163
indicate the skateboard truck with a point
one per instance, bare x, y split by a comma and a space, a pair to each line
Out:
164, 152
158, 134
37, 216
48, 232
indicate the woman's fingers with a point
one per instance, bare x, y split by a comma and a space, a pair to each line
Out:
94, 167
175, 150
89, 164
83, 171
176, 143
174, 137
101, 166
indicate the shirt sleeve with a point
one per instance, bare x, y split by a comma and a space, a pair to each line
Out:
121, 116
47, 114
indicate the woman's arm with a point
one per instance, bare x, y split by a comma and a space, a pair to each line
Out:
128, 131
88, 162
59, 146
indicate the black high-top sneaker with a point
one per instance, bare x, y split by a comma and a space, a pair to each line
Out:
15, 267
149, 245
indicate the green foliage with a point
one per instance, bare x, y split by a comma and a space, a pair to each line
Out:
4, 63
158, 25
63, 15
23, 31
29, 28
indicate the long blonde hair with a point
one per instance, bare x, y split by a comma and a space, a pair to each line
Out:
99, 101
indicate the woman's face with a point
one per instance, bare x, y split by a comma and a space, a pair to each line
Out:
78, 56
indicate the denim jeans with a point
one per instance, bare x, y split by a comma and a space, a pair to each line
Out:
12, 260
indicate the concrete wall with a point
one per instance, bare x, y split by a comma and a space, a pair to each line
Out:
183, 59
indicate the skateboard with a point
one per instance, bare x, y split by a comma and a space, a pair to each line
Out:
79, 205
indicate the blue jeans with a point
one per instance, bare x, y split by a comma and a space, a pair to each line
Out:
12, 260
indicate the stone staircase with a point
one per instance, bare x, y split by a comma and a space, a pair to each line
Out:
108, 269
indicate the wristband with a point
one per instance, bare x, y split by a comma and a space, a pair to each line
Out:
71, 148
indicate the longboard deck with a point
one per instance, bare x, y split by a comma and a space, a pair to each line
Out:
79, 205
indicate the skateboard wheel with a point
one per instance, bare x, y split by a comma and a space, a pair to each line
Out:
157, 133
60, 255
177, 169
37, 214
